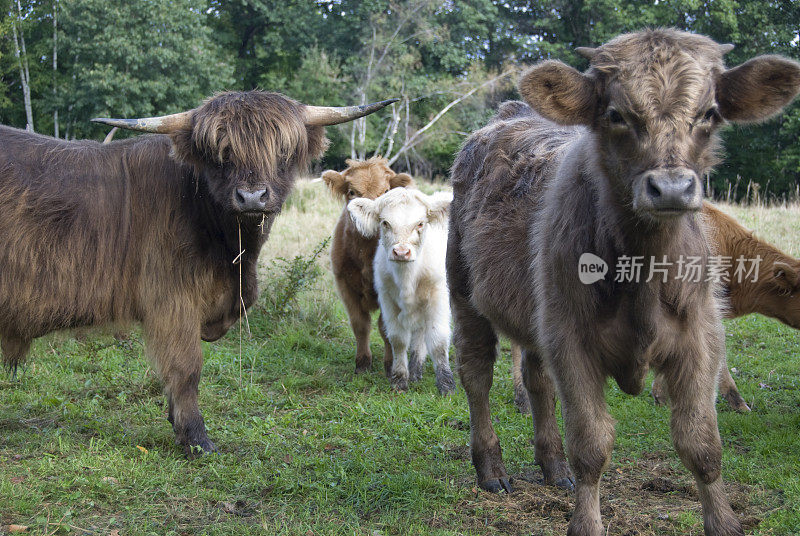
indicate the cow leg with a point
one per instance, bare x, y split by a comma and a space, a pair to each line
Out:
657, 390
388, 356
729, 391
14, 351
520, 392
178, 359
418, 354
589, 432
361, 323
541, 393
690, 380
399, 376
476, 350
439, 343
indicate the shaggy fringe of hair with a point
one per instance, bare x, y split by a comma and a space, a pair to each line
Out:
256, 130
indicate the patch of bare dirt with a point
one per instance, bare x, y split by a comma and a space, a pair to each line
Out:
638, 497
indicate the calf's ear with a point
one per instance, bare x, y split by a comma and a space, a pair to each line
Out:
786, 277
335, 182
439, 206
364, 213
758, 88
559, 93
403, 180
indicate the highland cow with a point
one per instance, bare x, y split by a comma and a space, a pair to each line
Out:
161, 229
607, 163
352, 253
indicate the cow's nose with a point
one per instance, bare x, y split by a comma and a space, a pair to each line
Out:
675, 189
401, 252
247, 201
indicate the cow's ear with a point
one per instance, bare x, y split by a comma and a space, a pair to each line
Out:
335, 182
439, 206
758, 88
559, 93
403, 180
183, 148
786, 277
364, 213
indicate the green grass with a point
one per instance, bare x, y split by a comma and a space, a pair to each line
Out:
306, 447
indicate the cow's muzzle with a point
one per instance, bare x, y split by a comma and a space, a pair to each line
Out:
401, 253
665, 192
251, 201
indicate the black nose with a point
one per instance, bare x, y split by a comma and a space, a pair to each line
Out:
672, 189
245, 201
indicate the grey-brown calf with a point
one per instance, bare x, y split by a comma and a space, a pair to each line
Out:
608, 164
775, 292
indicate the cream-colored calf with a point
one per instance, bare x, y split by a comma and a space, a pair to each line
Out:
410, 279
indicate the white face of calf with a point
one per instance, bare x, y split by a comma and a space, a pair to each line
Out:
401, 217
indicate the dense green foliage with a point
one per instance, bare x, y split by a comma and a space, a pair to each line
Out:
144, 57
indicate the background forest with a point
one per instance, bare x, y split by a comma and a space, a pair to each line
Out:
63, 62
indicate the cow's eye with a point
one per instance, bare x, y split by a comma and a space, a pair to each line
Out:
352, 193
386, 191
385, 224
711, 114
615, 118
420, 225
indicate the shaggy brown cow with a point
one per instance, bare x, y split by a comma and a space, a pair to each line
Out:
775, 293
162, 229
352, 254
608, 165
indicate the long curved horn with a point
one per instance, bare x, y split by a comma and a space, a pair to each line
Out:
110, 135
586, 52
332, 115
160, 125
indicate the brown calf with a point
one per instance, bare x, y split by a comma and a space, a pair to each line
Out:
352, 253
607, 165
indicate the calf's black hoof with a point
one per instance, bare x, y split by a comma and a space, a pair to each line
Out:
496, 485
565, 483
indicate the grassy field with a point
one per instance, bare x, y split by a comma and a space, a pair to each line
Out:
308, 448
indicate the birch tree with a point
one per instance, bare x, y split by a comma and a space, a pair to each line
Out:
22, 59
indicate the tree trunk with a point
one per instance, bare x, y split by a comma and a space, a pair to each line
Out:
24, 73
55, 67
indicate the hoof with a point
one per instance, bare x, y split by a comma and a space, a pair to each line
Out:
565, 483
363, 363
558, 474
399, 383
496, 485
736, 401
204, 446
659, 399
522, 401
445, 383
415, 369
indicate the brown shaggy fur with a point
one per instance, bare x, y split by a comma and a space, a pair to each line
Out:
531, 197
146, 230
351, 253
776, 293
